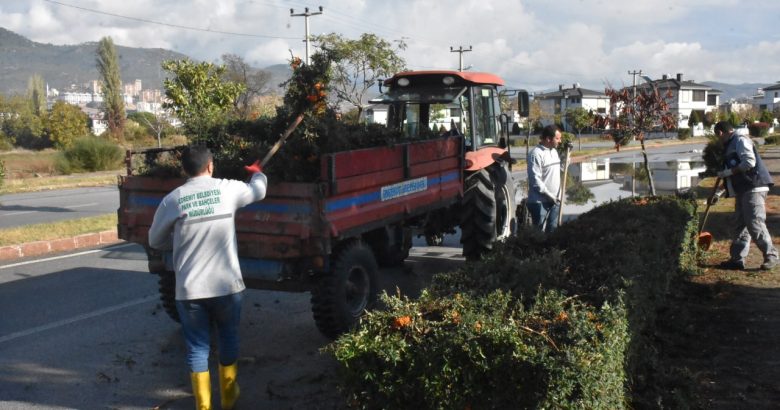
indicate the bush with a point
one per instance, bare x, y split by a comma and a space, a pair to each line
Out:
6, 144
713, 155
486, 352
89, 154
758, 129
684, 133
2, 173
544, 321
772, 139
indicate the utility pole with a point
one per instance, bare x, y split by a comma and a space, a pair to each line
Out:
460, 51
306, 14
633, 73
633, 82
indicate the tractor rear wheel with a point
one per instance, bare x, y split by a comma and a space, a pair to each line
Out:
342, 295
487, 211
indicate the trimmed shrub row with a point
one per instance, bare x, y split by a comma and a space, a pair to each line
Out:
558, 321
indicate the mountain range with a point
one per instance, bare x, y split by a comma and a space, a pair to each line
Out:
63, 66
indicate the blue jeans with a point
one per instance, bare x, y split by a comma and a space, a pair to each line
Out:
544, 215
197, 315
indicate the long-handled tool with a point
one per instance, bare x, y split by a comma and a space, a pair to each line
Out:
281, 140
705, 238
562, 198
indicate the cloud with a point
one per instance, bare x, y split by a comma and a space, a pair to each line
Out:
536, 44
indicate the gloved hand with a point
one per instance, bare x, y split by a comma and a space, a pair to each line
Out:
725, 174
715, 198
254, 168
554, 199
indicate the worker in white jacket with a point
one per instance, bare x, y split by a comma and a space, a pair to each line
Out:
196, 220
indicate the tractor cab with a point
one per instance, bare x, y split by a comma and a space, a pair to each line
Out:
423, 104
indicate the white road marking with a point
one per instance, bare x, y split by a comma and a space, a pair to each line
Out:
65, 207
74, 319
54, 258
19, 213
81, 206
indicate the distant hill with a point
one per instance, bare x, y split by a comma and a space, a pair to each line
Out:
735, 91
61, 66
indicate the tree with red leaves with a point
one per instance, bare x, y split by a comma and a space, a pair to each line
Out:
634, 113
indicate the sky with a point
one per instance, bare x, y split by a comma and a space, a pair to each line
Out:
532, 44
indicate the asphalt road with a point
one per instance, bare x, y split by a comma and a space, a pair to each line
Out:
85, 331
49, 206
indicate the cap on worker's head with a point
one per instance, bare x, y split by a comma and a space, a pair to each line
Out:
195, 159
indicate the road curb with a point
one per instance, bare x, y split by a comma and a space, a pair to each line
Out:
38, 248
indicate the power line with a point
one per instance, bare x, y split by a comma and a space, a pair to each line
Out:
142, 20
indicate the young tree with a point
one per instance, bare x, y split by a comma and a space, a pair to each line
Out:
579, 119
632, 115
711, 118
199, 95
360, 63
65, 124
534, 121
36, 93
108, 67
152, 124
22, 127
256, 82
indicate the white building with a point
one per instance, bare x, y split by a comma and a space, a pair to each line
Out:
591, 170
771, 98
99, 127
676, 175
687, 97
375, 114
556, 103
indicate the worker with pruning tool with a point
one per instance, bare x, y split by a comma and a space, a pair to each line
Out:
748, 180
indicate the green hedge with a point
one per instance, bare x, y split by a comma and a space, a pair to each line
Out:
536, 299
486, 352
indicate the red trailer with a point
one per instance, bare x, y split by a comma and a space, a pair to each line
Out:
330, 236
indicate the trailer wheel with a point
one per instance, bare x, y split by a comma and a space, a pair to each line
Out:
341, 296
167, 282
487, 211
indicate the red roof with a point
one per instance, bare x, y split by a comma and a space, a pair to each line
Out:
470, 76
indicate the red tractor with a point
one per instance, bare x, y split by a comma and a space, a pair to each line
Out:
464, 104
330, 236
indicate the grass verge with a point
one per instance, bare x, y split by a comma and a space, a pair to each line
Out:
17, 185
57, 230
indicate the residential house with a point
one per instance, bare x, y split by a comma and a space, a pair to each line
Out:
375, 114
771, 98
555, 104
687, 97
442, 115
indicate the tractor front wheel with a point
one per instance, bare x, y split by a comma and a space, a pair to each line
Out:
487, 210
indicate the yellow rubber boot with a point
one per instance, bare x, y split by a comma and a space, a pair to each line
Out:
228, 387
201, 389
